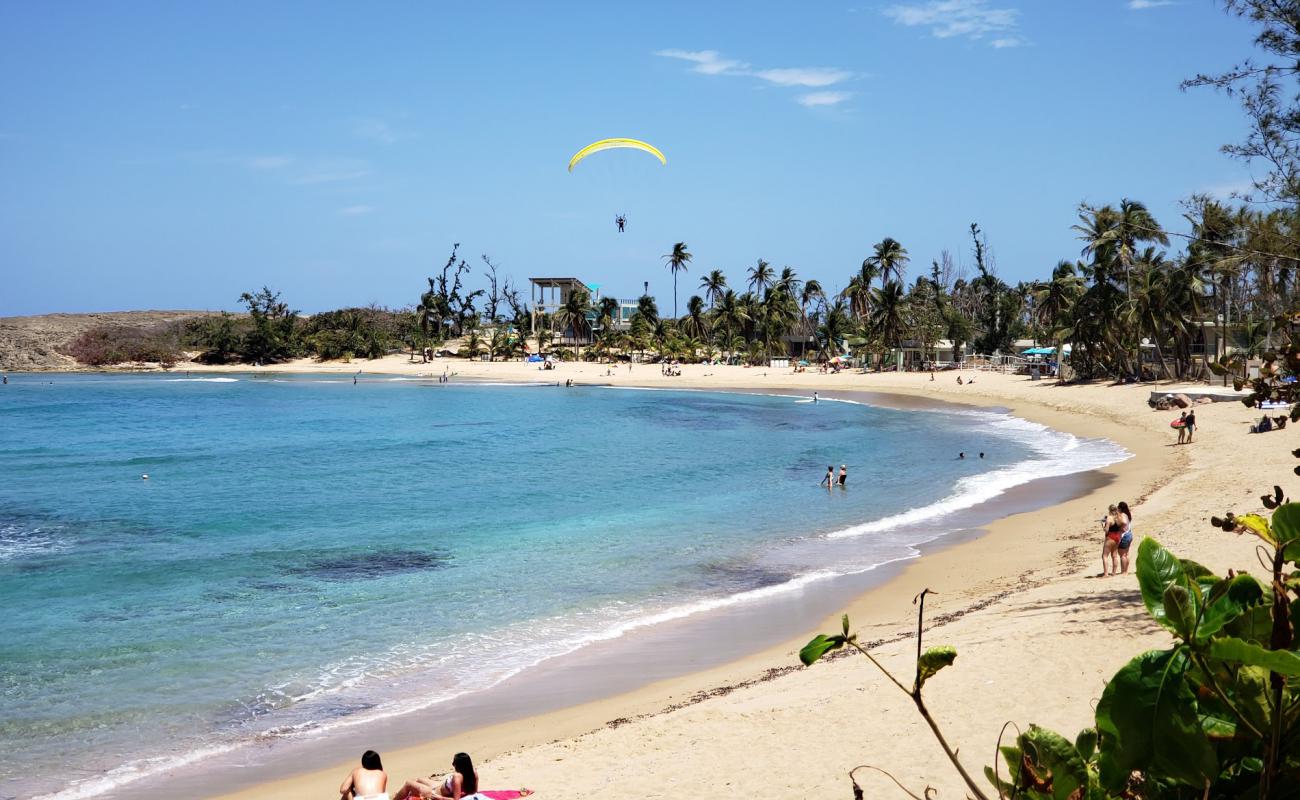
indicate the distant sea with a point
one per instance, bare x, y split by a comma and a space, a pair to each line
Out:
309, 554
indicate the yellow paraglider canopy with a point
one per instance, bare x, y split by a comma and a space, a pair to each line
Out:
610, 144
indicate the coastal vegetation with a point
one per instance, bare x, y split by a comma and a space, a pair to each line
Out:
1136, 300
1217, 714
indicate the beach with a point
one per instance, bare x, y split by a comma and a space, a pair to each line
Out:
1037, 632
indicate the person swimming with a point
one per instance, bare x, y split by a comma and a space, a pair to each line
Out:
961, 455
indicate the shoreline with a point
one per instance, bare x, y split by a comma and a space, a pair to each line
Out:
879, 613
976, 576
662, 651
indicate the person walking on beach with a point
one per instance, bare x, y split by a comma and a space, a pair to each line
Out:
1126, 538
1113, 527
366, 782
844, 475
1182, 427
829, 480
1189, 424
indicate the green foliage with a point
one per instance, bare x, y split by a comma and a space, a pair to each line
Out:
274, 336
1217, 714
933, 660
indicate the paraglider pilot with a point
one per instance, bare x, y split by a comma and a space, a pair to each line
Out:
620, 221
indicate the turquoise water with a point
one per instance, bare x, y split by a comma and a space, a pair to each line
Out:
308, 554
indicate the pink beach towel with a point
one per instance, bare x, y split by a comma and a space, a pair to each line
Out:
503, 794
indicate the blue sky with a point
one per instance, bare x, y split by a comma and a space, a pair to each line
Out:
174, 155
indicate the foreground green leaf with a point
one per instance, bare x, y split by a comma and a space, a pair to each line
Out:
820, 645
1057, 754
1157, 570
1147, 719
1286, 524
1228, 599
933, 660
1283, 662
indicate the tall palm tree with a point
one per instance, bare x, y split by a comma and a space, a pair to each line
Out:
714, 284
761, 276
812, 292
890, 259
677, 261
788, 282
572, 317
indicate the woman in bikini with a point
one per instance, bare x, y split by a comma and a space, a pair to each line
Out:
366, 782
1113, 527
462, 781
1126, 538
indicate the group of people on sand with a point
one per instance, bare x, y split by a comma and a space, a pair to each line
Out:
670, 369
830, 481
1117, 526
370, 782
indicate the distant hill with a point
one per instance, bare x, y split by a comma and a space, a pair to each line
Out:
33, 343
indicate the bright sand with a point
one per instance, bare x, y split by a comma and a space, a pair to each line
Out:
1037, 632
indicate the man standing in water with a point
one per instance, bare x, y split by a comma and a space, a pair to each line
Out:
829, 480
814, 397
844, 475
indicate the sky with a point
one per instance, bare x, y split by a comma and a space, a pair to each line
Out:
174, 155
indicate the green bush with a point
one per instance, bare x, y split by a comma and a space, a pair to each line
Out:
1217, 714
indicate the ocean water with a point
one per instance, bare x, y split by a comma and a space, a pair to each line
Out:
309, 554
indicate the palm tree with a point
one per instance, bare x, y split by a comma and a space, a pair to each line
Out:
677, 261
889, 258
729, 315
696, 321
1054, 300
889, 315
812, 292
834, 330
858, 292
761, 276
714, 284
788, 282
572, 317
647, 309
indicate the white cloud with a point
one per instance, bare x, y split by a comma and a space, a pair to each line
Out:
707, 62
814, 99
356, 211
711, 62
329, 173
1139, 5
270, 162
1228, 191
377, 130
971, 19
812, 77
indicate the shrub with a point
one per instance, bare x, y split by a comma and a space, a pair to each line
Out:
105, 345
